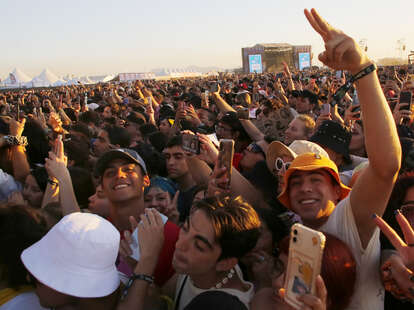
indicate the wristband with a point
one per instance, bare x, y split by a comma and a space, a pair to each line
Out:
50, 181
367, 70
143, 277
14, 141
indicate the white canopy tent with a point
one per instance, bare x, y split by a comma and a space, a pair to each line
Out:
44, 79
17, 78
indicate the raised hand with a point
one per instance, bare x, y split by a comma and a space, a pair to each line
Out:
171, 210
341, 51
400, 268
57, 162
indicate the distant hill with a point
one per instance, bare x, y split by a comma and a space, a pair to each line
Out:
190, 69
389, 61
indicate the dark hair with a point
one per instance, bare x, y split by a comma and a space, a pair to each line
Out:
41, 176
403, 184
118, 135
153, 159
20, 227
158, 140
77, 149
38, 144
175, 141
338, 271
82, 185
235, 222
90, 117
147, 129
81, 128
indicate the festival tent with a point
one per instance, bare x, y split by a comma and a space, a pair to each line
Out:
17, 78
44, 79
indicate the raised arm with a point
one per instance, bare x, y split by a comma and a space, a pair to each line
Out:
21, 168
56, 168
373, 188
221, 103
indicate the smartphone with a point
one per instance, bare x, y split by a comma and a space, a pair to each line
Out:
304, 263
214, 87
225, 158
279, 75
149, 100
191, 143
338, 74
326, 109
405, 97
355, 102
17, 112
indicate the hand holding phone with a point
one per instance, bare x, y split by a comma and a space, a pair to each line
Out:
304, 263
191, 143
225, 158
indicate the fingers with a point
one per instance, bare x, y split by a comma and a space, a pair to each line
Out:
406, 228
175, 199
389, 233
133, 222
315, 25
317, 302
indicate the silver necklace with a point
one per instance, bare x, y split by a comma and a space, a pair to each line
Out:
225, 279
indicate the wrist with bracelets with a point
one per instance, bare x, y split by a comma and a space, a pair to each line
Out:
15, 141
142, 277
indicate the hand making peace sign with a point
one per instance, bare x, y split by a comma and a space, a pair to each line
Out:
341, 51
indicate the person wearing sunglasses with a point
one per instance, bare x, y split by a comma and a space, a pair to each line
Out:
279, 156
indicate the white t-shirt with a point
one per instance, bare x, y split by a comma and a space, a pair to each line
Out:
369, 291
189, 291
26, 301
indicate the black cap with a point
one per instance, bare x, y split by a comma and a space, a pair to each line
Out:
216, 300
334, 136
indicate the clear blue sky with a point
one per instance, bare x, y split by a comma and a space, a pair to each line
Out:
96, 37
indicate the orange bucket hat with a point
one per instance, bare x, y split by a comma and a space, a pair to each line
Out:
310, 162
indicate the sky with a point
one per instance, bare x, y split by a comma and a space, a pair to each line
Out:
90, 37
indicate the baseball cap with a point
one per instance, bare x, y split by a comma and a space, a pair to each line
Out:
333, 135
122, 153
77, 256
311, 162
278, 149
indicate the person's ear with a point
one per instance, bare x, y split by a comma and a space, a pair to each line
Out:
226, 264
338, 192
146, 181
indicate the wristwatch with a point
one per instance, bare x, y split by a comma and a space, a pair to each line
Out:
13, 140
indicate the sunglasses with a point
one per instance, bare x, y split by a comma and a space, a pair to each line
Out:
280, 165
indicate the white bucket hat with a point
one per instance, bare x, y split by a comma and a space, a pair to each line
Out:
77, 256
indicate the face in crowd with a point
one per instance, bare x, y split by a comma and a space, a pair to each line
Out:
196, 251
313, 195
102, 143
295, 131
176, 162
158, 199
123, 181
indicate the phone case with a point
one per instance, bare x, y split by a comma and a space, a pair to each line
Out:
225, 157
304, 263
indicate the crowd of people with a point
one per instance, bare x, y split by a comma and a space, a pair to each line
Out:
104, 207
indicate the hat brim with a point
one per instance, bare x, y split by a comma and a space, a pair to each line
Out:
40, 260
277, 149
109, 156
284, 195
